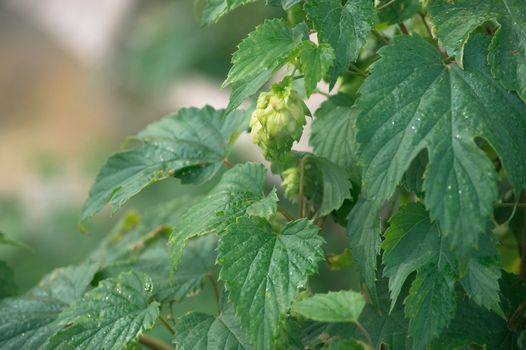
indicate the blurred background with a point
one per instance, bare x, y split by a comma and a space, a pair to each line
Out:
77, 77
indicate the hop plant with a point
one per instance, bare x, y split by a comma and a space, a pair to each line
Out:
278, 120
291, 183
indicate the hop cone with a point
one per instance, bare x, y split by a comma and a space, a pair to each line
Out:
278, 120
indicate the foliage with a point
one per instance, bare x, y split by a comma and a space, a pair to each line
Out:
417, 151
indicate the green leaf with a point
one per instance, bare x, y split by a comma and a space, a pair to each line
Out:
363, 229
475, 325
411, 102
285, 4
265, 207
411, 243
215, 9
455, 21
383, 326
315, 63
430, 305
198, 331
171, 147
27, 321
198, 259
344, 27
397, 11
335, 183
332, 134
260, 55
481, 280
7, 281
109, 316
264, 271
239, 187
342, 306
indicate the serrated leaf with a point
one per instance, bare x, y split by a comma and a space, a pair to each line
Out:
171, 147
27, 321
412, 243
334, 182
215, 9
109, 316
315, 63
412, 101
383, 326
481, 280
332, 134
198, 259
363, 229
7, 281
264, 271
430, 305
342, 306
265, 207
260, 55
455, 21
474, 325
198, 331
238, 189
344, 27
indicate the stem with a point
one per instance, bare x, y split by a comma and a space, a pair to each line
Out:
297, 77
380, 37
385, 5
428, 29
364, 331
318, 91
510, 205
515, 315
153, 343
286, 214
358, 70
228, 163
216, 290
403, 28
302, 198
167, 325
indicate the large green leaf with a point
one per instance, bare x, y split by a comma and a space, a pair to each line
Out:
265, 207
260, 55
335, 184
315, 63
342, 306
475, 325
198, 331
7, 281
240, 187
215, 9
411, 102
109, 316
198, 259
382, 325
344, 27
413, 244
27, 321
264, 271
332, 134
456, 20
190, 144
